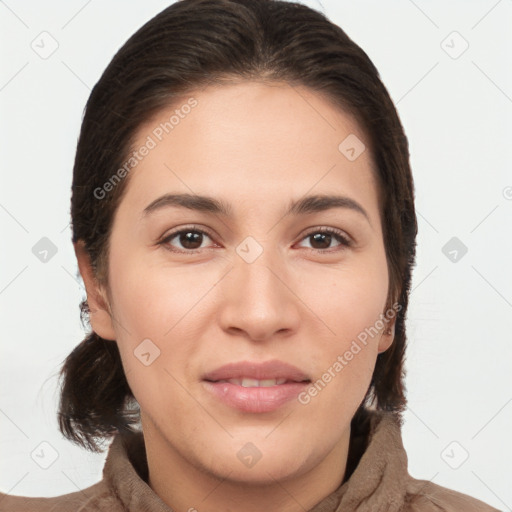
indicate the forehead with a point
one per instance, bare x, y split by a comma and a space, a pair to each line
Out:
251, 141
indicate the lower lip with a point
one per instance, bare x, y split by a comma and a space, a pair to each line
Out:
256, 399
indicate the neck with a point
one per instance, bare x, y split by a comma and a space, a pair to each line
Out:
185, 487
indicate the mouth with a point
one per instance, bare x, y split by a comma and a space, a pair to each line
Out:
256, 387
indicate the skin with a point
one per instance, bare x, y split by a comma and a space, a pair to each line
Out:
256, 146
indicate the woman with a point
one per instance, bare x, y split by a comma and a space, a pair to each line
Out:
243, 220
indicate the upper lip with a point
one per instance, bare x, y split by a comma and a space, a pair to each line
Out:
273, 369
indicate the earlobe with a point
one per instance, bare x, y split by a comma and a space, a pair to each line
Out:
387, 336
100, 317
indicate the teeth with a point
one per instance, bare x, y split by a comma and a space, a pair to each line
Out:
268, 382
249, 383
254, 383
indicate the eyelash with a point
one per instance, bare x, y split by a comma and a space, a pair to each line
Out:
340, 237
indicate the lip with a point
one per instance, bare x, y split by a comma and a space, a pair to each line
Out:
256, 399
273, 369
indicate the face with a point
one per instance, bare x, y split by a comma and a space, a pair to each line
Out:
271, 293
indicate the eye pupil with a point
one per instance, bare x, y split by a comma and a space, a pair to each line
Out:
322, 237
188, 238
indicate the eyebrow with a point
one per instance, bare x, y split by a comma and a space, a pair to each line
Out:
303, 206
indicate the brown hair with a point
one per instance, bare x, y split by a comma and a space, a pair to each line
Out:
191, 44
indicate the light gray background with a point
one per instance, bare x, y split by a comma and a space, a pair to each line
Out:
457, 115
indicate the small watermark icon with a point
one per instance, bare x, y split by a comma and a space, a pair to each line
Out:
44, 250
454, 249
507, 193
146, 352
44, 454
249, 455
454, 45
351, 147
249, 249
455, 455
45, 45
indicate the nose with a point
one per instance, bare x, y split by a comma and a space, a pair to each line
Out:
259, 300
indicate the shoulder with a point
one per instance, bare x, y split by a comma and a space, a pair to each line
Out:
425, 496
97, 497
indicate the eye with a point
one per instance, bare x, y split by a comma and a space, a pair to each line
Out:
323, 237
191, 239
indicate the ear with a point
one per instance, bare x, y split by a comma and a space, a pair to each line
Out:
100, 316
388, 335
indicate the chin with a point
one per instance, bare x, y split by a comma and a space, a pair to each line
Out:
263, 473
259, 461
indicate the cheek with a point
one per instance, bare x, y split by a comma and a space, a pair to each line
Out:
344, 363
155, 334
154, 300
160, 319
349, 299
351, 308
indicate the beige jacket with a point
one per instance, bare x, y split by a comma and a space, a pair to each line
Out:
376, 480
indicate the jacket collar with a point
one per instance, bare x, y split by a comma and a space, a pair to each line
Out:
376, 469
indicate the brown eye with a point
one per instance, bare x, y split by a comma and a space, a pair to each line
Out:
190, 240
321, 239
